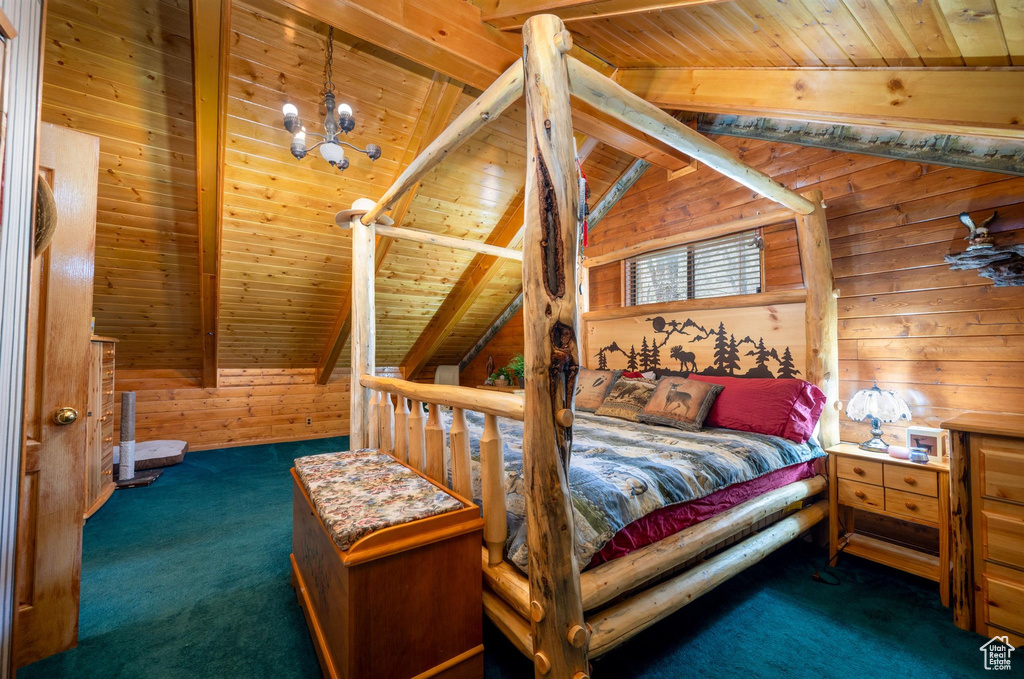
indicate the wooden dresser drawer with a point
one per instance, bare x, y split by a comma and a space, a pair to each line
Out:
1002, 538
920, 481
918, 507
854, 494
1001, 461
859, 470
1004, 600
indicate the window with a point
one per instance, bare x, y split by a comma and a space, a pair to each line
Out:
730, 265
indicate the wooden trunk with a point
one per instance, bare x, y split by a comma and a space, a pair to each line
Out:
551, 352
400, 603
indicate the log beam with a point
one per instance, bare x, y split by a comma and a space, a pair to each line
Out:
450, 37
509, 15
901, 98
551, 351
822, 315
607, 96
489, 249
211, 25
435, 112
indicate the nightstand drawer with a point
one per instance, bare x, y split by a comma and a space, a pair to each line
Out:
901, 477
854, 494
1002, 467
859, 470
1002, 528
912, 505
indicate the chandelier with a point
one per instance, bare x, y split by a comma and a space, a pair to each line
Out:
330, 144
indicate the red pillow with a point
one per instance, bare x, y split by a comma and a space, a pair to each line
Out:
632, 375
779, 407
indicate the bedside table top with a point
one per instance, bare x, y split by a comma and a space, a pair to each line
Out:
853, 450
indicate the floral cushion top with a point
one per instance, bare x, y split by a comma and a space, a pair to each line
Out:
358, 492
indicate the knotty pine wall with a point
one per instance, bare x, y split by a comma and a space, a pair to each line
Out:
948, 341
503, 346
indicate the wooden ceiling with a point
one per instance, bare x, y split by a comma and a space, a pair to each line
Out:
121, 70
780, 33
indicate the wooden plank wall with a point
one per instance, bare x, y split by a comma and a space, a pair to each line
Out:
122, 71
506, 344
250, 406
948, 341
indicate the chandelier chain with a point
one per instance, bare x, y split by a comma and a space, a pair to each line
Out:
328, 65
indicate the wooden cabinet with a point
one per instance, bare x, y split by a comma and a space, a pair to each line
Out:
987, 477
99, 447
898, 489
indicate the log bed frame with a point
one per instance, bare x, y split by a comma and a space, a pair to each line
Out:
560, 617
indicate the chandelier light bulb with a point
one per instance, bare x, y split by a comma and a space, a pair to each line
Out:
289, 110
300, 137
332, 153
344, 110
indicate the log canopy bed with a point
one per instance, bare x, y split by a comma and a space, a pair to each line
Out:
561, 613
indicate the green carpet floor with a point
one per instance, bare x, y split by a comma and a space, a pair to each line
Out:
189, 578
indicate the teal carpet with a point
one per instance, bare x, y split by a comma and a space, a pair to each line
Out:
189, 578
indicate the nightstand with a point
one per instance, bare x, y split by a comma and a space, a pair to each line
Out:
893, 488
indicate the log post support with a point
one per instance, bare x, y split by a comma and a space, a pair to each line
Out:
363, 322
551, 350
417, 437
386, 416
458, 444
821, 315
492, 491
402, 429
435, 445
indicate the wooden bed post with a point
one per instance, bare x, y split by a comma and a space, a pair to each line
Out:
822, 315
363, 322
552, 354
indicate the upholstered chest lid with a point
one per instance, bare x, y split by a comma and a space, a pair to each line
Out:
358, 492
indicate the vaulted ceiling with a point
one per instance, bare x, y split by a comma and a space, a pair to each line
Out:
123, 70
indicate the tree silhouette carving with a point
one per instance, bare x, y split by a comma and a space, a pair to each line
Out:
655, 356
645, 355
787, 368
761, 356
631, 359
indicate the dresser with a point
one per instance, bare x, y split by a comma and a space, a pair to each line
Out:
987, 499
895, 490
99, 447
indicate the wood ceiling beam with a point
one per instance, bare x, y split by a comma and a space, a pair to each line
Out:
477, 276
450, 37
211, 26
509, 15
987, 102
438, 106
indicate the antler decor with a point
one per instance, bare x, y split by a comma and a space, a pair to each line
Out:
1004, 264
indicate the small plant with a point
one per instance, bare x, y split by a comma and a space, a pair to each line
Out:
517, 366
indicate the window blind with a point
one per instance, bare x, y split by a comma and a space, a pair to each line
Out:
730, 265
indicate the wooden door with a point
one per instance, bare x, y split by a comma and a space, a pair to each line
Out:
49, 554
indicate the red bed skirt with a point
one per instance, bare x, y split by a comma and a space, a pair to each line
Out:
669, 520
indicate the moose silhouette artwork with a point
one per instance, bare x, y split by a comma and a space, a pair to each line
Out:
728, 359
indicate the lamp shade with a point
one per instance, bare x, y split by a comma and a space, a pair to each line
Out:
881, 404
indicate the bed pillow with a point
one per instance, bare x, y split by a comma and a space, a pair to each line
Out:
789, 408
626, 398
681, 403
592, 386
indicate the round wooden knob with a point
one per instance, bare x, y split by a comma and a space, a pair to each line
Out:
858, 470
563, 41
541, 662
564, 417
909, 480
911, 505
581, 675
859, 493
536, 611
577, 636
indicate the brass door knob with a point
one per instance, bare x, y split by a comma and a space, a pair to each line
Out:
65, 415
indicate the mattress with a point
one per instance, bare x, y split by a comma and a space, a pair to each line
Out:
623, 471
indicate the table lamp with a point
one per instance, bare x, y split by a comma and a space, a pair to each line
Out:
879, 406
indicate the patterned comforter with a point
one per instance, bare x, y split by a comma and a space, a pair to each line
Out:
620, 471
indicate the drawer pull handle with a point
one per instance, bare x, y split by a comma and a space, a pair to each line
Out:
858, 470
859, 493
910, 505
910, 480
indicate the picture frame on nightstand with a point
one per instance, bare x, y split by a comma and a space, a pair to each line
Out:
934, 441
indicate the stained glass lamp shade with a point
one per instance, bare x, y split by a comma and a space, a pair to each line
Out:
878, 405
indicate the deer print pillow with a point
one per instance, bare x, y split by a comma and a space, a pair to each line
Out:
592, 386
680, 402
626, 398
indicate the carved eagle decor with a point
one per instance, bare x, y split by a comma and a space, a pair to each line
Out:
978, 236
